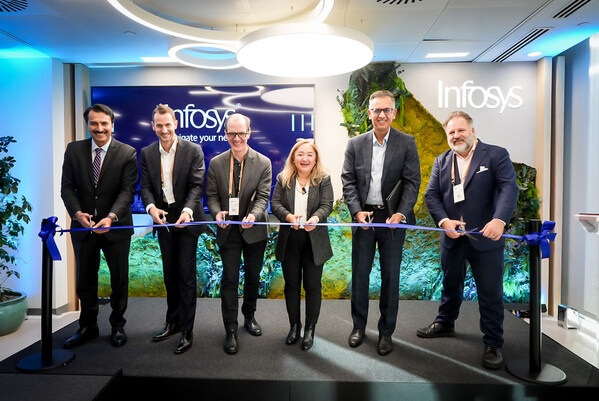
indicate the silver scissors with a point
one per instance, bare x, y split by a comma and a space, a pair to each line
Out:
462, 227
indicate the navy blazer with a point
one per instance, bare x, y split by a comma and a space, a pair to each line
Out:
401, 163
113, 193
320, 204
188, 179
490, 189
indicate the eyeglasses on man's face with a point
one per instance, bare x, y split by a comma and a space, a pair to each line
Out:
387, 111
232, 135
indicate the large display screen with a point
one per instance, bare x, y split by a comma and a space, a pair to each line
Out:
280, 115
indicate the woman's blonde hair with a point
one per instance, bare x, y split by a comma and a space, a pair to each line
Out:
289, 172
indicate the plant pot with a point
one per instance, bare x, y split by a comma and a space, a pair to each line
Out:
12, 313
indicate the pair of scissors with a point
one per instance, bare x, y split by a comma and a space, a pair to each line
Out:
462, 227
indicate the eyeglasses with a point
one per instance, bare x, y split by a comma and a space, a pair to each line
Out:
387, 111
232, 135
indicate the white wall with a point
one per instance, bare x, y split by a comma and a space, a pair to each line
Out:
33, 113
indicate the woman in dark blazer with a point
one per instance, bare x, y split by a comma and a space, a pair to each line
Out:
303, 195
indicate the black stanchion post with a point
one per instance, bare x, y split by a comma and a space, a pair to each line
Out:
533, 370
48, 358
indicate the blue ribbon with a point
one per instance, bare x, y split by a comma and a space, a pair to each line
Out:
542, 239
47, 236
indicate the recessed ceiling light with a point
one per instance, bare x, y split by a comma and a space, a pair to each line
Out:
534, 54
447, 55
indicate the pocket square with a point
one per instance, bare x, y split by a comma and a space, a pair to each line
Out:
482, 168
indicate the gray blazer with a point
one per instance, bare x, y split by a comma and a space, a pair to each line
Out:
320, 204
253, 198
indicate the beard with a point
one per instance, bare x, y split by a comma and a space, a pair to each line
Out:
462, 146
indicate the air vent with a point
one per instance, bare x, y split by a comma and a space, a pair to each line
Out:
12, 6
533, 35
397, 2
571, 8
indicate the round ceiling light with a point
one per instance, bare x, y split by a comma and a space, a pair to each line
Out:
304, 50
205, 55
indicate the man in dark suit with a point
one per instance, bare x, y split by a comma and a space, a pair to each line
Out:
98, 183
238, 188
472, 187
172, 178
376, 163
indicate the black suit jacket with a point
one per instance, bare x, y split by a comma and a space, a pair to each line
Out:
114, 192
490, 189
188, 179
401, 163
320, 204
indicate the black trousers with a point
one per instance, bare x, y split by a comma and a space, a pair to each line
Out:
253, 257
390, 245
87, 260
298, 263
178, 248
487, 269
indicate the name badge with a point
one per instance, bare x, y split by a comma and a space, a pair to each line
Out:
233, 206
458, 193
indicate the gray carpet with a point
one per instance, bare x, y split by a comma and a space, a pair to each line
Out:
414, 360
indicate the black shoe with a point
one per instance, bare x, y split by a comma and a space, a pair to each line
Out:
169, 330
231, 346
308, 340
294, 334
385, 345
184, 342
434, 330
118, 337
83, 335
356, 337
252, 326
492, 358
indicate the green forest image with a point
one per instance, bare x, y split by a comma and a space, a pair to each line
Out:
421, 275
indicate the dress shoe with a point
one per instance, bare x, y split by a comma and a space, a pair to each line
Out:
231, 346
83, 335
385, 345
356, 337
434, 330
294, 334
308, 340
118, 337
252, 326
169, 330
184, 342
492, 358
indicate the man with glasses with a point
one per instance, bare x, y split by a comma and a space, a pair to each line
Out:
381, 179
238, 189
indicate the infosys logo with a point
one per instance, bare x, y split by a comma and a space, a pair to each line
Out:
478, 97
199, 118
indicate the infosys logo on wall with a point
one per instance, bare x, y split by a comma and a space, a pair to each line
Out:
199, 118
478, 97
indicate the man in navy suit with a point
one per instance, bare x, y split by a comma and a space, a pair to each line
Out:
472, 187
380, 164
98, 183
172, 178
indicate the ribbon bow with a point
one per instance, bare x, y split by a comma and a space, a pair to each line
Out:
542, 239
47, 236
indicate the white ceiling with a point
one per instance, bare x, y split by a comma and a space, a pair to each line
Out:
94, 33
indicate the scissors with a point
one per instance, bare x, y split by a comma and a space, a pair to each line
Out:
164, 221
462, 227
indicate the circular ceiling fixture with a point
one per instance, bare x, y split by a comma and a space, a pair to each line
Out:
205, 55
305, 50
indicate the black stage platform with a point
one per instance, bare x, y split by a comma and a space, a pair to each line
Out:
265, 368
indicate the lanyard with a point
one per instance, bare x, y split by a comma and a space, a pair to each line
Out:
453, 165
231, 177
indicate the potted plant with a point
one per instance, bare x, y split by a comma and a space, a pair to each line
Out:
13, 218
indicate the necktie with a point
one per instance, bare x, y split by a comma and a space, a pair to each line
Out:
97, 165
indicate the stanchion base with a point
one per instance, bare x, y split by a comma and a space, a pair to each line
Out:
549, 374
34, 363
